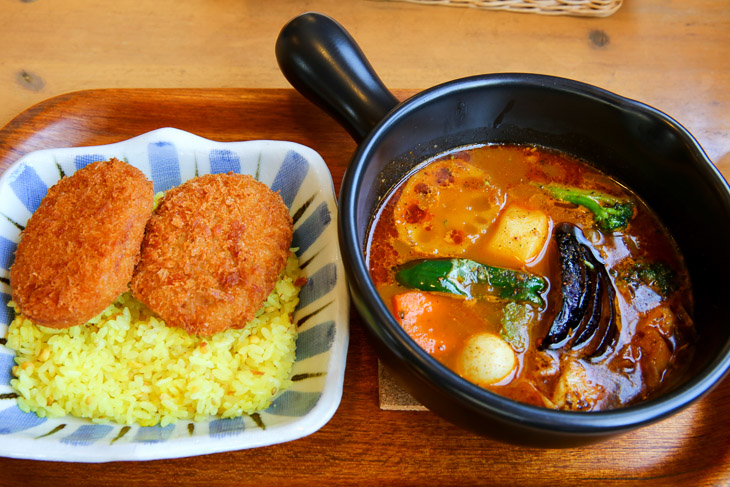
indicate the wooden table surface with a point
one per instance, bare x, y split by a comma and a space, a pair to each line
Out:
672, 55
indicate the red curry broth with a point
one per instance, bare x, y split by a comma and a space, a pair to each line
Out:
654, 331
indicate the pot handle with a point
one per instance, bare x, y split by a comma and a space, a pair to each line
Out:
322, 61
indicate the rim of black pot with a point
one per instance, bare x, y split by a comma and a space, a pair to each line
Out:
431, 370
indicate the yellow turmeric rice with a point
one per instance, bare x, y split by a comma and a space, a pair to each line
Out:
126, 366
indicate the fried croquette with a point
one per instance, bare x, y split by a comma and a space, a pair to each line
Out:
212, 252
78, 250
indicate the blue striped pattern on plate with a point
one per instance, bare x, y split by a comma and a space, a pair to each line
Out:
169, 157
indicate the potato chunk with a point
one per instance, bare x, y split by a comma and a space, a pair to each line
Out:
486, 359
519, 236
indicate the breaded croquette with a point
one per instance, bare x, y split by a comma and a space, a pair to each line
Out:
79, 248
212, 252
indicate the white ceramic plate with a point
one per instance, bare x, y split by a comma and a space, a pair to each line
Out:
168, 157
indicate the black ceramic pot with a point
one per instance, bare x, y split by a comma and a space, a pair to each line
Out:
639, 146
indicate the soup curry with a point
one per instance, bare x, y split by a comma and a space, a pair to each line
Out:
532, 274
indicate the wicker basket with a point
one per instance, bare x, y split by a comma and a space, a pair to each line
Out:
582, 8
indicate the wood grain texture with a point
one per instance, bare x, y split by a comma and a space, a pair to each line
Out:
671, 54
361, 444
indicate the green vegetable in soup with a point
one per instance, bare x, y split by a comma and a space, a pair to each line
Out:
456, 276
657, 275
610, 213
516, 319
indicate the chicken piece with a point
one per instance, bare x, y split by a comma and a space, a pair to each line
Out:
654, 337
576, 390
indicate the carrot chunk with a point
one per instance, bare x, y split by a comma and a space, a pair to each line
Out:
432, 320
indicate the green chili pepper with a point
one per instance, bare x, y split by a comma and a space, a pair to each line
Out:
455, 276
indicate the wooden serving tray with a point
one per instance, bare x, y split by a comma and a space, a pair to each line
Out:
362, 444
